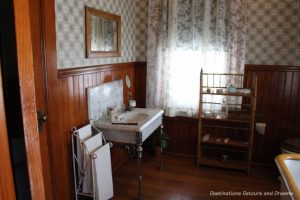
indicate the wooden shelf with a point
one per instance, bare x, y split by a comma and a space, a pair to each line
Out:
237, 94
237, 123
228, 104
233, 143
229, 164
225, 127
243, 120
224, 149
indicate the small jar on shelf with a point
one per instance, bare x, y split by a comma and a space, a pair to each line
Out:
224, 108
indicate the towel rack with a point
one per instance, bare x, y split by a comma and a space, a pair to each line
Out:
83, 161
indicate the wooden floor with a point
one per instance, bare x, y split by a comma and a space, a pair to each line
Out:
181, 180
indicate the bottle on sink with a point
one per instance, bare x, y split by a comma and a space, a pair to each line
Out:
112, 113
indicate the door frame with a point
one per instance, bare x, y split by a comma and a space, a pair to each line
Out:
27, 92
41, 85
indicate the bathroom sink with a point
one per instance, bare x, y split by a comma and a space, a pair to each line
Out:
127, 127
124, 129
131, 117
132, 127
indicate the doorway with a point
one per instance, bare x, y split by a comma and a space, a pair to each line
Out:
12, 101
19, 99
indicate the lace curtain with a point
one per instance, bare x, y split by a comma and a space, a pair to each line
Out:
185, 36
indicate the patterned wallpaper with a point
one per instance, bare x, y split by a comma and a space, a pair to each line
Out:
70, 31
273, 32
141, 22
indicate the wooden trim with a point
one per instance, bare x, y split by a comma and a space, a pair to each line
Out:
250, 67
37, 24
27, 92
7, 188
69, 72
62, 190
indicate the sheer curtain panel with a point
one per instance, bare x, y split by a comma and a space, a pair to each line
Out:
185, 36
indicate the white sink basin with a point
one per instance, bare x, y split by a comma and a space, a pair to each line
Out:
294, 166
289, 165
148, 120
132, 117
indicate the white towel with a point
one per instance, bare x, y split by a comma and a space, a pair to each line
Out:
103, 173
83, 133
92, 144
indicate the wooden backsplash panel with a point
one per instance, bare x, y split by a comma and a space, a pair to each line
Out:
277, 105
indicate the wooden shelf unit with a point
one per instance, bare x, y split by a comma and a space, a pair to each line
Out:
231, 164
238, 94
228, 119
225, 137
221, 141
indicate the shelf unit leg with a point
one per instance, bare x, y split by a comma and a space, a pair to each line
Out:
139, 154
161, 148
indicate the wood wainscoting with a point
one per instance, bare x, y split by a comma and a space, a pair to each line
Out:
140, 84
67, 101
183, 133
278, 105
73, 83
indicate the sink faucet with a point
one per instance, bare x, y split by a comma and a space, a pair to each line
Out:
127, 108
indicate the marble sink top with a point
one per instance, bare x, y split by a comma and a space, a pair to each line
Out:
131, 117
148, 120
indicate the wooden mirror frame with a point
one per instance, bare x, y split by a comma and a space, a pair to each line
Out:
101, 54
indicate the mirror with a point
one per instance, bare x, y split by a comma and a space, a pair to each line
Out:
128, 83
103, 33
